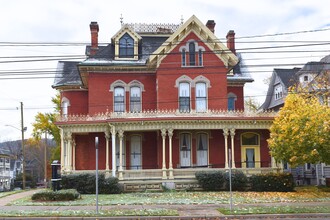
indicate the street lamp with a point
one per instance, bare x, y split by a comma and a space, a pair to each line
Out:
23, 129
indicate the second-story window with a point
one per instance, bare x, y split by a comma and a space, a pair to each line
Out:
231, 101
184, 97
126, 46
135, 99
119, 99
201, 100
65, 107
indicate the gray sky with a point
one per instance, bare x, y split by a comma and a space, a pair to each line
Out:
67, 21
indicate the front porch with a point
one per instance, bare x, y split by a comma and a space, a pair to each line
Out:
166, 147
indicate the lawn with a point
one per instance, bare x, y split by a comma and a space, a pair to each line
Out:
149, 198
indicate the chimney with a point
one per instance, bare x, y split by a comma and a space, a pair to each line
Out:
210, 24
94, 27
231, 41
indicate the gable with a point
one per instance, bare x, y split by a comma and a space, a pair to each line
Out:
194, 25
126, 31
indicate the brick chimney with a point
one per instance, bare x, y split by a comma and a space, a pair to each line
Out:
231, 41
210, 24
94, 27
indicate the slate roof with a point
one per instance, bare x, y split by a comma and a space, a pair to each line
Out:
105, 55
241, 71
67, 74
287, 78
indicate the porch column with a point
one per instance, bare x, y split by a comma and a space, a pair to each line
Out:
62, 148
113, 147
225, 134
120, 135
164, 162
170, 135
69, 151
107, 139
73, 155
232, 134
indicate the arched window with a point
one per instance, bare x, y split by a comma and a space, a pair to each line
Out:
119, 99
200, 57
126, 46
183, 57
192, 52
201, 99
65, 106
135, 99
184, 97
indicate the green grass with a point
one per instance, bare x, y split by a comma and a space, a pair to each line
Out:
186, 198
91, 213
274, 210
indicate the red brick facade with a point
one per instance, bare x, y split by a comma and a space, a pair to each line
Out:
159, 126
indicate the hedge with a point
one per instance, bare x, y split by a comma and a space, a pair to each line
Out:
239, 181
85, 183
210, 180
272, 182
60, 195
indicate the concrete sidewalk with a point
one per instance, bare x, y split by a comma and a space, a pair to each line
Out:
194, 211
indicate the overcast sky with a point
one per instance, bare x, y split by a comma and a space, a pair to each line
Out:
67, 21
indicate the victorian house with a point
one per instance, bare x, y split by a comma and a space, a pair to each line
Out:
163, 101
314, 77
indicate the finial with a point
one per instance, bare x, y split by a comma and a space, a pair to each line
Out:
121, 19
181, 19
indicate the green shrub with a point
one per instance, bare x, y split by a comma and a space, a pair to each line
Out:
211, 181
239, 181
272, 182
85, 183
61, 195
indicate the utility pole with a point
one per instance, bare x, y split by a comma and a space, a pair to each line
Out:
45, 155
23, 149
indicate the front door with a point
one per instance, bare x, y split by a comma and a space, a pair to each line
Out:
136, 156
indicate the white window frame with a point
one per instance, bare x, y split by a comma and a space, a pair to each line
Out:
116, 105
201, 96
184, 96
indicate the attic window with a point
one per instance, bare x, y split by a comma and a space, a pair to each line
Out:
191, 54
126, 46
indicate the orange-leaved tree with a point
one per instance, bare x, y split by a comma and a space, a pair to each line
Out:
301, 132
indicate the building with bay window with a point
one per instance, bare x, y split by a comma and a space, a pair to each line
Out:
165, 101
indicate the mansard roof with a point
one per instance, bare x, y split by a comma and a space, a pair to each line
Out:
154, 39
67, 74
284, 77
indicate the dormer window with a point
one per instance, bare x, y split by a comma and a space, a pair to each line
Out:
278, 92
305, 78
126, 46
